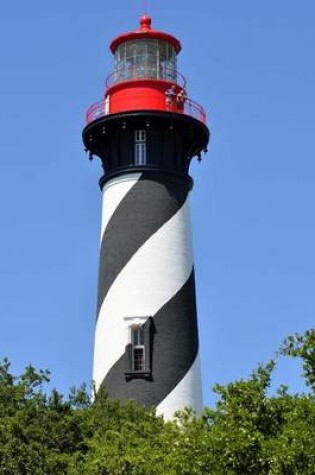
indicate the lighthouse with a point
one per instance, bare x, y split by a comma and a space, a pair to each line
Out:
146, 130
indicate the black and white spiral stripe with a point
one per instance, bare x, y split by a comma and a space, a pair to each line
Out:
146, 269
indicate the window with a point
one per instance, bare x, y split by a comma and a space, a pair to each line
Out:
138, 348
140, 147
138, 353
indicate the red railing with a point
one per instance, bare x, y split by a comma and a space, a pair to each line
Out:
96, 111
187, 107
195, 110
138, 73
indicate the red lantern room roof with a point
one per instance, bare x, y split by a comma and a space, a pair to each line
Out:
145, 31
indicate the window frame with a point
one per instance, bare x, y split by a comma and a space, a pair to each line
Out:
143, 341
138, 332
140, 147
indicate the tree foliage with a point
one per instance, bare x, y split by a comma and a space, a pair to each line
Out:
247, 432
302, 346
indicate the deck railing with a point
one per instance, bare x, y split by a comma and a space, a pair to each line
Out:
186, 107
145, 71
195, 110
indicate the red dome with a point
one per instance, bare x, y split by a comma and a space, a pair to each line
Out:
145, 31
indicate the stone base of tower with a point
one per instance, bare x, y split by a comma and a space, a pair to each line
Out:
146, 280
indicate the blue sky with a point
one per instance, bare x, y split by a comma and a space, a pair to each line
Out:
251, 65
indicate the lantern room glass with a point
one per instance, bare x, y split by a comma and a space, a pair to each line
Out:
145, 58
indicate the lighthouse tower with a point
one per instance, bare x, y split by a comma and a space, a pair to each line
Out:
145, 131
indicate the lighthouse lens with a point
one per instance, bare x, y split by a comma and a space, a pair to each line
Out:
145, 58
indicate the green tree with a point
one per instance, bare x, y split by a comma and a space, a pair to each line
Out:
248, 431
302, 346
39, 433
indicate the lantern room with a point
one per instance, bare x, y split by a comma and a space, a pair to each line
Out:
145, 54
145, 76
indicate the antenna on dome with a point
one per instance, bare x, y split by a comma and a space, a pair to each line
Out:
146, 7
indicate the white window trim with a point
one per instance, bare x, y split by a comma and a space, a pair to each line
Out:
132, 322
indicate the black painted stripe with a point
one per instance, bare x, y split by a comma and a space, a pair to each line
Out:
175, 347
148, 205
